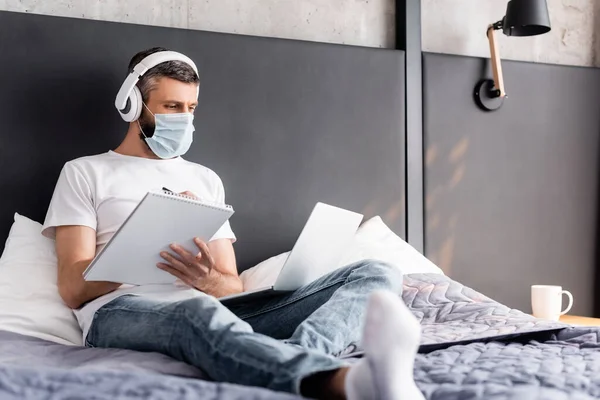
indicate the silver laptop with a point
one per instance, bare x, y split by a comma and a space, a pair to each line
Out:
318, 250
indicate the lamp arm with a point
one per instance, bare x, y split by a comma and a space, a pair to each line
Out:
496, 64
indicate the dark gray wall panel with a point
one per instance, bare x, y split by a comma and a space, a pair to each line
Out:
512, 196
284, 123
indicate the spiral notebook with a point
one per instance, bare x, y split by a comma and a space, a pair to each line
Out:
161, 218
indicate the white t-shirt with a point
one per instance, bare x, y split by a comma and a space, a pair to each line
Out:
101, 191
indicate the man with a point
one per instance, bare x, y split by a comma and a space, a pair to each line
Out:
288, 343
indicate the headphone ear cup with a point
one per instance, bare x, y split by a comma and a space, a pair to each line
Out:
133, 107
126, 112
136, 103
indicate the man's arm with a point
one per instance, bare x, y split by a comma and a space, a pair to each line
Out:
212, 270
226, 280
75, 249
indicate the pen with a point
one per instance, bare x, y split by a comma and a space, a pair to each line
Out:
167, 190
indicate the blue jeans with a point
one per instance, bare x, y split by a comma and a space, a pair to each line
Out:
273, 343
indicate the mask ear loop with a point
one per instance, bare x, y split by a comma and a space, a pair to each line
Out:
141, 130
138, 120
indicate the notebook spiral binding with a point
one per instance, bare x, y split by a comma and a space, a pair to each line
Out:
189, 199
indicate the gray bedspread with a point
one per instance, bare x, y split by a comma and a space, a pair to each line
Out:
476, 348
452, 313
61, 384
472, 348
32, 368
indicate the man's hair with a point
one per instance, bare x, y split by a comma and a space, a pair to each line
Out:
171, 69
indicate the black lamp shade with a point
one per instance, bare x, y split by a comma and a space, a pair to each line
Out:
526, 18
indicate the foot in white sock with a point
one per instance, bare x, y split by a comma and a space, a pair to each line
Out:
391, 339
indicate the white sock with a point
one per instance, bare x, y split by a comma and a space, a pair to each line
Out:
391, 339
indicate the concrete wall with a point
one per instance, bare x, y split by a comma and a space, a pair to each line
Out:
357, 22
449, 26
458, 27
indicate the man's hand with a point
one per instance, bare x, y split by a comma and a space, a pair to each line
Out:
216, 276
190, 268
212, 270
190, 194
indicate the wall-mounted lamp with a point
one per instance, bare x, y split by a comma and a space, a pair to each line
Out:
523, 18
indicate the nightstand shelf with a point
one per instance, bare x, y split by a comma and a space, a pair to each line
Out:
580, 321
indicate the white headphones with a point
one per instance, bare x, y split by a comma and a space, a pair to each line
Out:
129, 98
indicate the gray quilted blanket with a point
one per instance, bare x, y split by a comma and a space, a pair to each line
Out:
476, 348
472, 348
33, 383
34, 369
452, 313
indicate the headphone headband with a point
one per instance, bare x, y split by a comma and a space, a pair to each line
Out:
128, 86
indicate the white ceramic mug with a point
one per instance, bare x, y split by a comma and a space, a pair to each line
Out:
546, 301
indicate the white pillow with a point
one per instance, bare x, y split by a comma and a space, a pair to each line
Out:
373, 240
29, 300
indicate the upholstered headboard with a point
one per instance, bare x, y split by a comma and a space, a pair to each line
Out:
284, 123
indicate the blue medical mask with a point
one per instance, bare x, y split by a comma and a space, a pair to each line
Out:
173, 134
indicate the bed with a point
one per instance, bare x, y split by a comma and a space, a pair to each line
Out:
285, 124
472, 348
